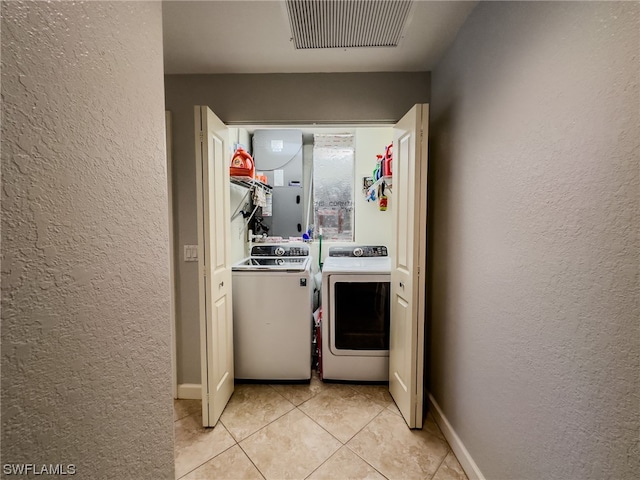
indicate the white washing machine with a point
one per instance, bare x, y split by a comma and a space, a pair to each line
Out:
272, 314
356, 291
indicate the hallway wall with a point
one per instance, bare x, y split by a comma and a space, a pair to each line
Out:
534, 239
86, 339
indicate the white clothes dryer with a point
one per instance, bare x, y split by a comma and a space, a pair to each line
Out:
356, 293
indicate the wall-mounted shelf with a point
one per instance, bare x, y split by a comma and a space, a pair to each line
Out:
250, 183
387, 183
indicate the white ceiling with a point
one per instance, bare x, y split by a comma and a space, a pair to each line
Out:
254, 36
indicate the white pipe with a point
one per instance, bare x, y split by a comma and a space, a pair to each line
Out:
309, 207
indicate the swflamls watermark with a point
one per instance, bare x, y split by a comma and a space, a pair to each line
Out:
39, 469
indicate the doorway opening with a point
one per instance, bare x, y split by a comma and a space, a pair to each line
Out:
217, 234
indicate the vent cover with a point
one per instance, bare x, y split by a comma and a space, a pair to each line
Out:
347, 23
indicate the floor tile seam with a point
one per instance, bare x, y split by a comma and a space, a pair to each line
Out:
306, 415
186, 416
316, 423
368, 395
372, 466
435, 472
262, 427
315, 469
373, 400
366, 424
365, 461
313, 394
358, 394
274, 389
329, 458
360, 431
251, 460
435, 436
357, 432
310, 398
207, 460
228, 430
298, 406
353, 386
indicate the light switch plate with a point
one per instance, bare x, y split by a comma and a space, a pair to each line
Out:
190, 253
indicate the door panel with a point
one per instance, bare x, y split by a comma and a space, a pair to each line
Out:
406, 342
223, 353
220, 221
216, 318
398, 355
405, 202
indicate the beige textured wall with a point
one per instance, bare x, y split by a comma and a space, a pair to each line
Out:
534, 204
255, 99
86, 369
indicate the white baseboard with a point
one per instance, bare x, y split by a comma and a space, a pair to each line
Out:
190, 391
460, 451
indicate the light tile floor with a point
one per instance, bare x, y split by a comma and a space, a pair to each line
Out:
315, 431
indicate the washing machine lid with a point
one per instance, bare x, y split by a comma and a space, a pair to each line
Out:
270, 264
381, 265
294, 249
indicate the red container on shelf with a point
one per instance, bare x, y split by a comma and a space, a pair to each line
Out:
387, 171
242, 164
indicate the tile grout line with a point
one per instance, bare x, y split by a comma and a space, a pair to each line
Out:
182, 418
422, 429
295, 407
441, 462
264, 426
372, 419
261, 428
208, 460
363, 427
306, 415
236, 441
251, 460
185, 416
219, 453
319, 466
350, 438
356, 453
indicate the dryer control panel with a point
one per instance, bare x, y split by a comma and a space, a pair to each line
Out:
359, 251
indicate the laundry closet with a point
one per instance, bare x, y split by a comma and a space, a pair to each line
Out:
366, 300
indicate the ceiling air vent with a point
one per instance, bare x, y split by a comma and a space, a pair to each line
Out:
347, 23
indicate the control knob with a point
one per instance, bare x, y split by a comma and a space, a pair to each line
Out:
279, 251
357, 252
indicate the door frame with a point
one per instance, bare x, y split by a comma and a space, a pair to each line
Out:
172, 255
252, 125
